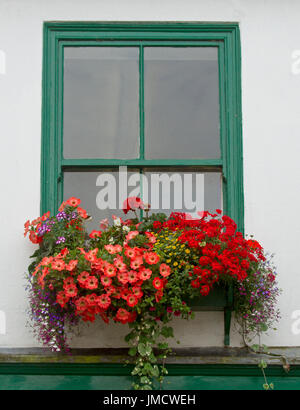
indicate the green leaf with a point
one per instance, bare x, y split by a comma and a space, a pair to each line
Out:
262, 364
255, 347
132, 351
167, 331
148, 350
142, 349
155, 371
266, 386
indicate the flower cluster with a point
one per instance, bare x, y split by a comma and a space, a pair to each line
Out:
142, 273
218, 251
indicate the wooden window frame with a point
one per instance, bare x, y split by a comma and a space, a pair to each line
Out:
225, 36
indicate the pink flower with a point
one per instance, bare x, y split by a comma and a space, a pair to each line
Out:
131, 235
104, 224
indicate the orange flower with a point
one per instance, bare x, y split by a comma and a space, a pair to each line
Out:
73, 201
82, 213
136, 262
58, 264
95, 234
109, 270
71, 265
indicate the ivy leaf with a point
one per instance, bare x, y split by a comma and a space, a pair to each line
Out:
155, 371
262, 364
145, 380
142, 349
255, 348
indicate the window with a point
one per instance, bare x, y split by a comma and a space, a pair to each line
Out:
155, 99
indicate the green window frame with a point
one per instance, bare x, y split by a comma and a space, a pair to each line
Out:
224, 36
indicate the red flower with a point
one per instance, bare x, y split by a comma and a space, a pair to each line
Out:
71, 290
61, 298
158, 283
132, 203
204, 290
122, 316
158, 296
132, 300
195, 283
204, 260
145, 274
95, 234
34, 238
104, 301
81, 304
92, 299
91, 282
165, 270
73, 201
82, 213
105, 280
137, 291
82, 278
151, 258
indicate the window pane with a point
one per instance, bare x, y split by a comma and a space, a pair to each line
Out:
101, 189
101, 102
183, 190
181, 102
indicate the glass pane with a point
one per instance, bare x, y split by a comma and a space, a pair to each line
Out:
183, 191
181, 102
102, 192
101, 102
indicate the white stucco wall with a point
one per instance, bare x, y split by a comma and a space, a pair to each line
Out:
270, 33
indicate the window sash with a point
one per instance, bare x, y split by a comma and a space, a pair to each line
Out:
224, 36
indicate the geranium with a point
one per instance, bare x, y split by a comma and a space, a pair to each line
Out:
132, 204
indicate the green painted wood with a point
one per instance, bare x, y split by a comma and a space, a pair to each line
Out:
115, 377
98, 162
141, 103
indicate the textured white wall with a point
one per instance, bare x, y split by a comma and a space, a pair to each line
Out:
270, 33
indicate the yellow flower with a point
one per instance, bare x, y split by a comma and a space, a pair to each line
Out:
175, 263
187, 251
